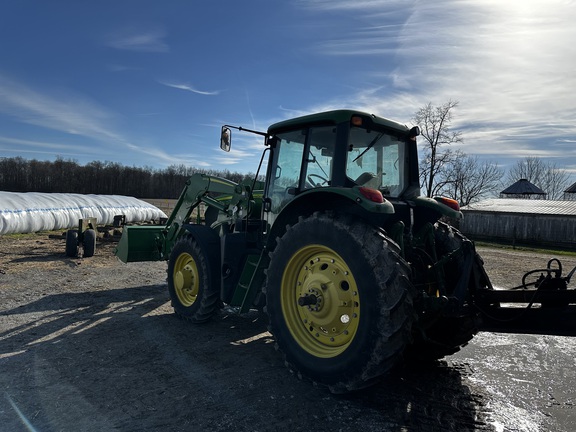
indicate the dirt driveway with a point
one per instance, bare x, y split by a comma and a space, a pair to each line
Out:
92, 345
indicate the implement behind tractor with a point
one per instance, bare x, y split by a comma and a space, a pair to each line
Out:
84, 236
355, 270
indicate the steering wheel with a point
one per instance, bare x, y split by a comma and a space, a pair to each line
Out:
323, 180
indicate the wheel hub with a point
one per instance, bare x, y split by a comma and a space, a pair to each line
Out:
308, 300
313, 300
325, 307
186, 280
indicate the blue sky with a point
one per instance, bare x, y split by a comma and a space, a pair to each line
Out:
149, 83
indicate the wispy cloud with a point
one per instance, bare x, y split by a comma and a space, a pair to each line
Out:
232, 160
149, 40
250, 108
35, 152
161, 157
376, 33
370, 6
39, 144
119, 68
190, 88
70, 114
64, 112
228, 160
369, 41
510, 64
21, 146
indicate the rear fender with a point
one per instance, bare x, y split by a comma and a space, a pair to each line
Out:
342, 200
354, 195
435, 207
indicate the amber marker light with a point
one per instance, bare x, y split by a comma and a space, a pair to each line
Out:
452, 203
373, 195
356, 121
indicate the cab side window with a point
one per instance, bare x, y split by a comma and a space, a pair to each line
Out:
319, 159
286, 178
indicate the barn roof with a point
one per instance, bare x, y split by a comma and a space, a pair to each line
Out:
571, 189
514, 205
523, 187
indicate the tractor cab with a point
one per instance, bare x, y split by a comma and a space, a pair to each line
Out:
345, 161
340, 149
342, 152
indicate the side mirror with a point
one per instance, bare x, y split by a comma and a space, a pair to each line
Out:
414, 132
226, 139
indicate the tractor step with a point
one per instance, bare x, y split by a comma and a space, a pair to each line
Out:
248, 285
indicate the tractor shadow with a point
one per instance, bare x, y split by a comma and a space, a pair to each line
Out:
33, 254
124, 361
40, 252
428, 397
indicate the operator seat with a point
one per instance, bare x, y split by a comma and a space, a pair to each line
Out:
364, 178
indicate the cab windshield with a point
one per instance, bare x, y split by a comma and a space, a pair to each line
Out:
375, 159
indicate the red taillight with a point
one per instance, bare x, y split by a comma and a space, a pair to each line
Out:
452, 203
373, 195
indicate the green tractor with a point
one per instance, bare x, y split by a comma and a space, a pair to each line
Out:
355, 270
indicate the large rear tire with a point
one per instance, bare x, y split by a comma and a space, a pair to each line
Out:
339, 301
194, 294
449, 334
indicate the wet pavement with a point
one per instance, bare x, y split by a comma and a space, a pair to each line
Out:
528, 380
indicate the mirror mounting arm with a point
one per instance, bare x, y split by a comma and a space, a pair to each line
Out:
240, 128
226, 136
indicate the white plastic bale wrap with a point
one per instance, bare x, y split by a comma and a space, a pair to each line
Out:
35, 211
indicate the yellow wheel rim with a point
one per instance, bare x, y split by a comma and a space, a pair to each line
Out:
186, 279
320, 301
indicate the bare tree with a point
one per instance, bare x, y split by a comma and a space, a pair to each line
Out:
468, 179
547, 176
434, 122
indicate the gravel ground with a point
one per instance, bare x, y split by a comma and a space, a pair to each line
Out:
92, 345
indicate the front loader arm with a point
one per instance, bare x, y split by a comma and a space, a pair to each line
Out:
195, 192
153, 243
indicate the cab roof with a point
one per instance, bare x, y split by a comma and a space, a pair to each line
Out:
334, 117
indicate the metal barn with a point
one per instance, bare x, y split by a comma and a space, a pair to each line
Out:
517, 221
523, 189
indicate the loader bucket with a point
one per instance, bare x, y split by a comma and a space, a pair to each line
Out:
139, 243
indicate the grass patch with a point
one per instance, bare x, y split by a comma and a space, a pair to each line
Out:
24, 236
526, 248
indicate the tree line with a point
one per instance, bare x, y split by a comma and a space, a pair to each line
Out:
104, 178
443, 170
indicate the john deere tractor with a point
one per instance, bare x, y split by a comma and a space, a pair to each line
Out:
354, 269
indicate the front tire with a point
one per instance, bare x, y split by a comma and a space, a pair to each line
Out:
72, 243
339, 301
193, 293
89, 243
